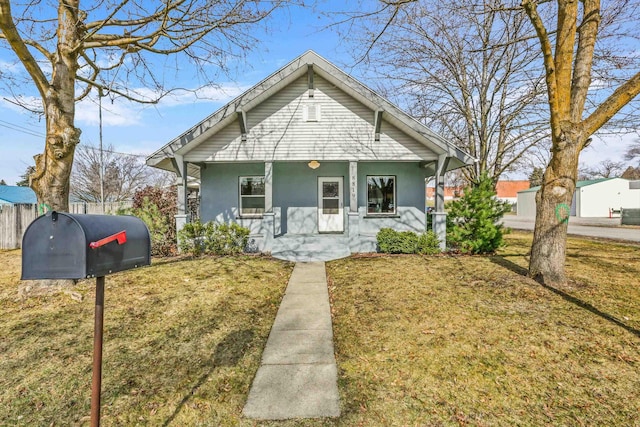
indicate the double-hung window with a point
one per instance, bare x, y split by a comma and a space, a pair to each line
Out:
381, 195
251, 195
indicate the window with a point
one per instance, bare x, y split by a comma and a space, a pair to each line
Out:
251, 195
381, 195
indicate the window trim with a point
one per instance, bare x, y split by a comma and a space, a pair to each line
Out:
395, 197
240, 196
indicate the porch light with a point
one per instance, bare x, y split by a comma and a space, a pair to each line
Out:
314, 164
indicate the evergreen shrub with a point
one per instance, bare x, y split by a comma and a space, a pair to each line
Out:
212, 238
473, 221
407, 242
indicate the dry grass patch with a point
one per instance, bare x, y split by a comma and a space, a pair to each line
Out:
419, 341
470, 341
183, 341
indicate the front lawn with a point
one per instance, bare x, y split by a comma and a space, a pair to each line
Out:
470, 341
441, 340
182, 342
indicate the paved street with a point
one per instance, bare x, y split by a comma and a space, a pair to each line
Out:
592, 227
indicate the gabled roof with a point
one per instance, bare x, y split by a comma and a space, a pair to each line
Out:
579, 184
14, 194
164, 157
508, 188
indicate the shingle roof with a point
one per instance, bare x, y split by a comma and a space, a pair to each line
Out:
14, 194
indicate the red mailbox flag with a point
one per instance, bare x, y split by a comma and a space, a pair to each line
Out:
121, 237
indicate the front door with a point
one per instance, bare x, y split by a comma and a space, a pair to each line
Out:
330, 205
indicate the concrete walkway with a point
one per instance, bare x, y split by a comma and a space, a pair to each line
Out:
298, 374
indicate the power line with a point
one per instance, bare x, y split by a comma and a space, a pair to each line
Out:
115, 152
19, 128
28, 131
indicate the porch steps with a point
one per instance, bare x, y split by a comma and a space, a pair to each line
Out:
310, 247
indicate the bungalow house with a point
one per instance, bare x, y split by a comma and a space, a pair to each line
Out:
311, 160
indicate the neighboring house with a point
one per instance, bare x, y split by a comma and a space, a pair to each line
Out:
592, 198
14, 195
450, 193
508, 190
505, 190
307, 152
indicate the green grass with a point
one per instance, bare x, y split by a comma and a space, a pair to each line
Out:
440, 340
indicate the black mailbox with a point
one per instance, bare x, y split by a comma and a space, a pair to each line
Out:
68, 246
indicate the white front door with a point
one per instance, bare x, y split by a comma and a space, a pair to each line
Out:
330, 205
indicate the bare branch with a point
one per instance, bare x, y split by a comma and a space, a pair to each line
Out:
10, 33
587, 32
530, 7
614, 103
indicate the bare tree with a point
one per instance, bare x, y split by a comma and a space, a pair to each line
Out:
633, 152
605, 169
107, 46
590, 64
631, 173
456, 67
570, 50
124, 174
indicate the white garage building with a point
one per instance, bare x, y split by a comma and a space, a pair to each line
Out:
593, 198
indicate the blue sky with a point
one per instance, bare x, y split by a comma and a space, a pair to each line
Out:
132, 128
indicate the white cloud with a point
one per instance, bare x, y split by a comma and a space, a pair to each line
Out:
122, 112
612, 147
11, 67
33, 103
118, 113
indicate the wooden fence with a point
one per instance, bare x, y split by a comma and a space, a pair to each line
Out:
14, 219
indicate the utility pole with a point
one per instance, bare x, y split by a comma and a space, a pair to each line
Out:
100, 95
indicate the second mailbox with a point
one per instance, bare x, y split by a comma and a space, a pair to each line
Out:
71, 246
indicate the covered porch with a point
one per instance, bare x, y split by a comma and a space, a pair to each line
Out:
318, 207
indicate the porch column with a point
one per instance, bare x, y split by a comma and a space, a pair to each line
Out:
439, 216
268, 187
353, 216
182, 217
268, 219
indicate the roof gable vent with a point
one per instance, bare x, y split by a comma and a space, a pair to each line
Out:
311, 112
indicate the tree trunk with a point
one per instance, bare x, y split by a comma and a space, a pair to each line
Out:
50, 180
553, 210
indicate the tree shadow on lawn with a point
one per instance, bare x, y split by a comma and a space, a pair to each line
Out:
509, 265
228, 352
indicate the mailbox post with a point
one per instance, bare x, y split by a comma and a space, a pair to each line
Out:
96, 379
68, 246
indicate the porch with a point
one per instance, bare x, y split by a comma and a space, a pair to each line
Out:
320, 247
332, 209
311, 247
